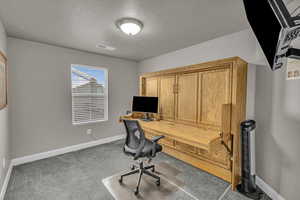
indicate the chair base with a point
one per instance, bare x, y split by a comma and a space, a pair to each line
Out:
141, 169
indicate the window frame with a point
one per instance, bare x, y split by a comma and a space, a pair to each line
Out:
105, 94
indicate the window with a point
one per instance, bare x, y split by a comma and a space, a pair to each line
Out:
89, 94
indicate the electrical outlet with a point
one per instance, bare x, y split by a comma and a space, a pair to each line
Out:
89, 131
3, 163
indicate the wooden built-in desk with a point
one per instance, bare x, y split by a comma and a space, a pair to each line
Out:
194, 136
197, 146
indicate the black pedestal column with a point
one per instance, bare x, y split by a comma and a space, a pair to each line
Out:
248, 186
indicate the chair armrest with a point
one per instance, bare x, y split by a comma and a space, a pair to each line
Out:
154, 143
156, 138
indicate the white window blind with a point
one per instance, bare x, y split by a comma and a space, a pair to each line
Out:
89, 94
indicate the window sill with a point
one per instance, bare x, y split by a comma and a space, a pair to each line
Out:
92, 122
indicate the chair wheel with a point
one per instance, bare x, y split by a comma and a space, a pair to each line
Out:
136, 192
153, 170
132, 167
158, 183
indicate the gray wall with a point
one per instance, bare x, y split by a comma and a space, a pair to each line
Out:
278, 131
4, 134
40, 97
242, 44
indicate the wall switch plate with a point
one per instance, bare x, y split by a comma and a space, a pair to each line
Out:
89, 131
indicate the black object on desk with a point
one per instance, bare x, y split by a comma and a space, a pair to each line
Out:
146, 105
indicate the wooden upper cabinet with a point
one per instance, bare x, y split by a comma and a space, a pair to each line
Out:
214, 91
151, 89
167, 97
187, 96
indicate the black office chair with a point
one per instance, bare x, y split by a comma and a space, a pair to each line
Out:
138, 146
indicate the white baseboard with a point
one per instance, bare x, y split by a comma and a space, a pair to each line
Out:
268, 189
56, 152
48, 154
6, 180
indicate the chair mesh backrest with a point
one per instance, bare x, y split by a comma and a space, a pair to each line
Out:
135, 135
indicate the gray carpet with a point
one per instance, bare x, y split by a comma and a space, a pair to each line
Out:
78, 176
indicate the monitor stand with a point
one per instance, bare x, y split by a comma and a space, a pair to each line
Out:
147, 118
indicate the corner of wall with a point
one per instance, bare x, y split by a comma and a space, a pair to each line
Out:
4, 126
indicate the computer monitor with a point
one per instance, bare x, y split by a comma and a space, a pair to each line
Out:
276, 23
145, 104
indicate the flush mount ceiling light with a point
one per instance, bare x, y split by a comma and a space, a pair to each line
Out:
130, 26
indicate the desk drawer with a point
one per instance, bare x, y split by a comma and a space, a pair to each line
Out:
168, 141
185, 147
203, 153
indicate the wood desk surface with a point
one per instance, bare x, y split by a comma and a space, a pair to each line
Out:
198, 137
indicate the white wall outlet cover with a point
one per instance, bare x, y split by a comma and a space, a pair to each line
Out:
89, 131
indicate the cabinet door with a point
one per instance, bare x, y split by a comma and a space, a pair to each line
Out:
215, 90
167, 97
151, 87
187, 94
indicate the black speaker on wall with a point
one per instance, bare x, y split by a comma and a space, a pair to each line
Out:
248, 185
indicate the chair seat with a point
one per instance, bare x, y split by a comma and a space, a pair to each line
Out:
147, 150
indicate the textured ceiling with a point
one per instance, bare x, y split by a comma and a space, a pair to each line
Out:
81, 24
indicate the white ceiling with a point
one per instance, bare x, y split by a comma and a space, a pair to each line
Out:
81, 24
